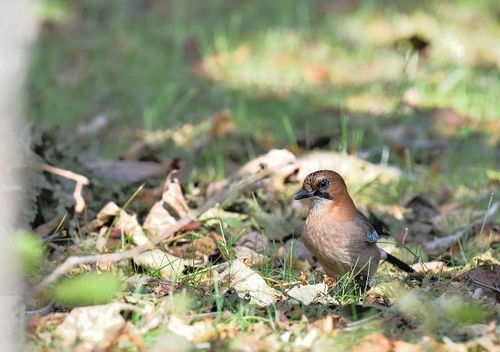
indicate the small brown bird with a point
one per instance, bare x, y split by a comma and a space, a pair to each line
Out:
337, 233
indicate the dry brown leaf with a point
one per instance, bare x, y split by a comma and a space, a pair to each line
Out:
354, 170
168, 265
168, 210
271, 159
198, 249
158, 220
248, 255
125, 223
312, 294
130, 226
197, 332
124, 171
93, 327
248, 284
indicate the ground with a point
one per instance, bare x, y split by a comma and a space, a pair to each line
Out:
400, 98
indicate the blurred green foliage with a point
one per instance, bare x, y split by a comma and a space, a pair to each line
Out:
136, 60
29, 252
87, 289
436, 315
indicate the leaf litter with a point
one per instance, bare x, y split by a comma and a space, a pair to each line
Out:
242, 256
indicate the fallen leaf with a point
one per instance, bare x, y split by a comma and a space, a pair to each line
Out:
168, 210
125, 223
169, 266
124, 171
93, 327
199, 249
312, 294
130, 226
158, 220
197, 332
354, 170
248, 255
282, 161
248, 284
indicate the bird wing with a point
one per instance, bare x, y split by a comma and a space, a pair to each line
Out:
371, 235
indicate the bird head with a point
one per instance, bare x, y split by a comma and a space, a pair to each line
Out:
323, 186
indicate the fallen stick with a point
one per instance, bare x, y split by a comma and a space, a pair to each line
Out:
79, 180
130, 253
440, 244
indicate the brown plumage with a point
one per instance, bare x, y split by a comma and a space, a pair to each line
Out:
338, 235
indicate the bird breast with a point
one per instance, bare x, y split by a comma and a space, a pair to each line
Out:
338, 245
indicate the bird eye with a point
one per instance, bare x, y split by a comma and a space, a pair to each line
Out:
323, 183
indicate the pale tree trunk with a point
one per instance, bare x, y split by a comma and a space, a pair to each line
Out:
17, 33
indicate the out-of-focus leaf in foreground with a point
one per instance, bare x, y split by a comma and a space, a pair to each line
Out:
29, 251
87, 289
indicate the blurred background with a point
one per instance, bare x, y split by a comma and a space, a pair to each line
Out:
215, 83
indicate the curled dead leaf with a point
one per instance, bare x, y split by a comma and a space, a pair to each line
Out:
248, 284
169, 266
124, 222
168, 210
93, 327
312, 294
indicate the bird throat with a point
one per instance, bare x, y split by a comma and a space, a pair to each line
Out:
319, 203
338, 209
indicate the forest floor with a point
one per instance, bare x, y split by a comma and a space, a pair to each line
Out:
187, 128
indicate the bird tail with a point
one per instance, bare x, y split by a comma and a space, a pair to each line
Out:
396, 262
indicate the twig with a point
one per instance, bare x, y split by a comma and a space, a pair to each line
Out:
42, 311
438, 245
353, 325
79, 180
485, 285
70, 262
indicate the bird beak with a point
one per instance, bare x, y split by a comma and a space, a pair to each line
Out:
302, 194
